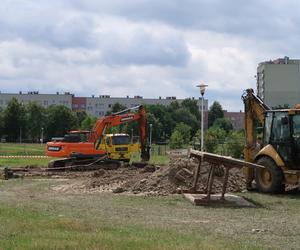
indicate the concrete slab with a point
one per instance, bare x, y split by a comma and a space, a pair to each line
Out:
231, 200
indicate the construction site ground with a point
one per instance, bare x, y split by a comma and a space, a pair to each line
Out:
139, 208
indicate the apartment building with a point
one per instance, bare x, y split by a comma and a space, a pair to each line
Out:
94, 105
98, 106
44, 100
278, 82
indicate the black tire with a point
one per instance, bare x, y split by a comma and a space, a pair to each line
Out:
270, 178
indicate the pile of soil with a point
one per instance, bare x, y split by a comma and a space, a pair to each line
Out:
163, 180
152, 179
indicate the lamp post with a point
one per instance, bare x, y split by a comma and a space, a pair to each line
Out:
150, 138
202, 88
20, 135
42, 136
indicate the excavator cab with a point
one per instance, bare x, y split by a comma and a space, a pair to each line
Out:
282, 131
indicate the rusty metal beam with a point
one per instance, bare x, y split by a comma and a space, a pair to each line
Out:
226, 161
215, 161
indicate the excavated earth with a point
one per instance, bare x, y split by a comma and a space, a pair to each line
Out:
152, 179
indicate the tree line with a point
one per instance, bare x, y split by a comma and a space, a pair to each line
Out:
177, 124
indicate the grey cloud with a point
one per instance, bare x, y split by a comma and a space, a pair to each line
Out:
143, 48
57, 25
51, 25
265, 19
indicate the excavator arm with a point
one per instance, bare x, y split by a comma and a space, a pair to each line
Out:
254, 110
122, 117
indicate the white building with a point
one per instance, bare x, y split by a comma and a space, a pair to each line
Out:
96, 106
44, 100
278, 82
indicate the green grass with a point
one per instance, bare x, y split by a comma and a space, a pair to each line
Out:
22, 162
154, 159
22, 149
16, 149
35, 230
33, 216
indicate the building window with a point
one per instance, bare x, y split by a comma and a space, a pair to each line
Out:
109, 105
45, 102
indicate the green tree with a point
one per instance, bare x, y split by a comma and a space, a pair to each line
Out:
235, 143
213, 137
116, 108
176, 140
161, 120
14, 120
81, 115
173, 106
215, 112
185, 131
180, 136
192, 106
157, 127
60, 120
36, 119
185, 116
223, 123
88, 123
1, 122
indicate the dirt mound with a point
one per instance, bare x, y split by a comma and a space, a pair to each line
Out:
151, 179
163, 180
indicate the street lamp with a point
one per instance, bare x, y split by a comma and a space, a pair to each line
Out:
42, 136
150, 137
20, 135
202, 88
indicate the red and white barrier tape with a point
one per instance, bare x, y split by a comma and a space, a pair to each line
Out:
24, 156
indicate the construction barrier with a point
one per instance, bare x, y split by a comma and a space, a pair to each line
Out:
23, 156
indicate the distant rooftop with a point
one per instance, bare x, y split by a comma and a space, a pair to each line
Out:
285, 60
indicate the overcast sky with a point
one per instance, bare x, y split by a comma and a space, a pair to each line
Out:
143, 47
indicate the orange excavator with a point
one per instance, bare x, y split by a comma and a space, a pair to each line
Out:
80, 148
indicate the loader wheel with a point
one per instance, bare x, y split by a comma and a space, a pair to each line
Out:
270, 178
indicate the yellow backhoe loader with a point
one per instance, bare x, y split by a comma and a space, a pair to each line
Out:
279, 151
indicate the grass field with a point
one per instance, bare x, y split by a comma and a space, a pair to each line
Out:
16, 149
22, 149
35, 216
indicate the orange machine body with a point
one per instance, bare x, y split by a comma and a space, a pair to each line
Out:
67, 146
